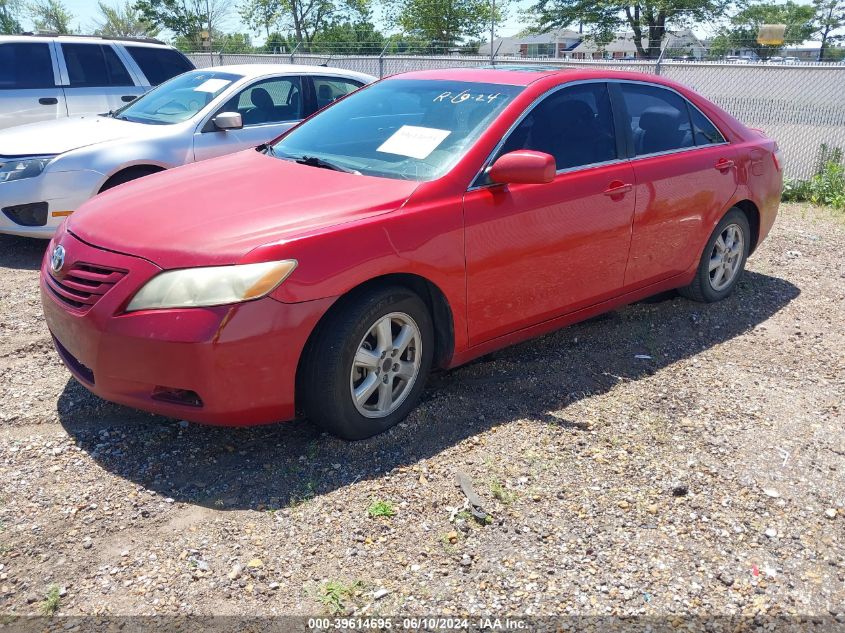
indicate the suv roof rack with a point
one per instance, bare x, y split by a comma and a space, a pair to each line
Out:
147, 40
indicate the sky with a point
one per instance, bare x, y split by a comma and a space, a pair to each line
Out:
86, 12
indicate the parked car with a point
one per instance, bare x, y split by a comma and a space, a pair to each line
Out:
51, 77
48, 169
425, 220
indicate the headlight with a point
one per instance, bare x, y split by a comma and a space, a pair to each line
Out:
20, 168
213, 286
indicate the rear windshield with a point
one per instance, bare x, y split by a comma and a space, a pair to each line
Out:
401, 128
159, 64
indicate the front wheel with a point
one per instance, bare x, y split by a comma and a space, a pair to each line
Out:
723, 259
367, 364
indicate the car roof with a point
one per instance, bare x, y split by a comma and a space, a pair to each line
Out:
524, 76
85, 39
260, 70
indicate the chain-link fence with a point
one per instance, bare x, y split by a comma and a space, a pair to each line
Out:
802, 106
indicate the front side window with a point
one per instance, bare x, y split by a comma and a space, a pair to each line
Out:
179, 99
159, 64
268, 101
659, 119
94, 65
412, 129
330, 89
574, 124
25, 66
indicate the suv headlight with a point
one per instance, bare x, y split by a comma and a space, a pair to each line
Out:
212, 286
20, 168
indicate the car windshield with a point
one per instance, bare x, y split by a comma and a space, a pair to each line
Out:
177, 100
401, 128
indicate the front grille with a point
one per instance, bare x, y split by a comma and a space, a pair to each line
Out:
84, 284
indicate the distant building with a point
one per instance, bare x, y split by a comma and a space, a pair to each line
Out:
566, 44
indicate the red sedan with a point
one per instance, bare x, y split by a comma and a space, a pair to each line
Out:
423, 221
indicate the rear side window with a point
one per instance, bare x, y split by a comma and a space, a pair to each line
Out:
575, 125
705, 132
330, 89
159, 64
94, 66
659, 119
25, 65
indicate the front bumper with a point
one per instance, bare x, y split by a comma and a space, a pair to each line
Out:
240, 360
63, 191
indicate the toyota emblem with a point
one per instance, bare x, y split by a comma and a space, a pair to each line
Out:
57, 259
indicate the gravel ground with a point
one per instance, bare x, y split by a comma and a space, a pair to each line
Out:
705, 478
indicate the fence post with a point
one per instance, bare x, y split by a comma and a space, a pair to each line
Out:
294, 51
381, 61
660, 59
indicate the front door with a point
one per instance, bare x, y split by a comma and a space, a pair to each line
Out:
534, 252
268, 107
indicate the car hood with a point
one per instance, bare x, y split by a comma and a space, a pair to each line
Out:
216, 211
64, 135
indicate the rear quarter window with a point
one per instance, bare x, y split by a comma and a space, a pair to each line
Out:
159, 64
24, 65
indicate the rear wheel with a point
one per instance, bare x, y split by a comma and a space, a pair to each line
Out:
723, 259
366, 366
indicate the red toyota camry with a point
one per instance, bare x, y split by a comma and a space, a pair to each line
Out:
423, 221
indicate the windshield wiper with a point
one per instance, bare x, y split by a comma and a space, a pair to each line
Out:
315, 161
266, 148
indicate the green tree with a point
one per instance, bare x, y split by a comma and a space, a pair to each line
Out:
50, 15
122, 21
185, 18
830, 17
9, 17
442, 23
648, 20
349, 38
262, 15
746, 24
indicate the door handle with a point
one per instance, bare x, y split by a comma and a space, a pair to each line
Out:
724, 164
617, 188
48, 101
128, 98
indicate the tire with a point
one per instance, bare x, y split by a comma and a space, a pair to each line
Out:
340, 360
128, 175
710, 286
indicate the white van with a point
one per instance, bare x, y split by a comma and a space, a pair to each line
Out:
49, 77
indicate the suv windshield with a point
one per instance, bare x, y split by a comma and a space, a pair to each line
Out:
401, 128
177, 100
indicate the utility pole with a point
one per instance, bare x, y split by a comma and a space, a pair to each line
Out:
492, 31
210, 36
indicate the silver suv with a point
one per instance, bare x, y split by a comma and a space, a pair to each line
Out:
50, 77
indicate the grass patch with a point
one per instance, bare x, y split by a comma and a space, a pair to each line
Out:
381, 509
502, 494
335, 595
51, 600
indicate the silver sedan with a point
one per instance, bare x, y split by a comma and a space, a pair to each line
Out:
48, 169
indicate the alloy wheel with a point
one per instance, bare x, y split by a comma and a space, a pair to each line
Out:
726, 257
386, 365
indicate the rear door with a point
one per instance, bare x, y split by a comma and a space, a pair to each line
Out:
29, 84
685, 175
96, 79
268, 107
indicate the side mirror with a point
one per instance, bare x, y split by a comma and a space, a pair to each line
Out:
228, 121
523, 166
